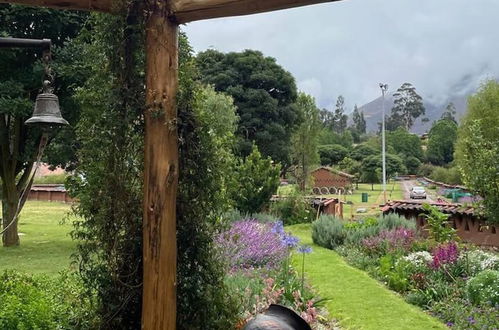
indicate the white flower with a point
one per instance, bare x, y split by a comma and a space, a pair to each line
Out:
419, 259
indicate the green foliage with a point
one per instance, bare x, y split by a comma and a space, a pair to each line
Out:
339, 123
408, 106
358, 121
293, 209
392, 221
51, 179
362, 151
405, 143
328, 136
257, 180
477, 148
111, 139
412, 164
441, 140
482, 289
371, 168
36, 302
264, 94
109, 223
304, 140
437, 226
446, 175
394, 273
328, 232
331, 154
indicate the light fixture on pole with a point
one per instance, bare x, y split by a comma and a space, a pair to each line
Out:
384, 88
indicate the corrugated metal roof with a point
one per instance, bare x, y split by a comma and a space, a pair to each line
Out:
450, 208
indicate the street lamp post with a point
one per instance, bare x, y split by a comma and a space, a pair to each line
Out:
384, 88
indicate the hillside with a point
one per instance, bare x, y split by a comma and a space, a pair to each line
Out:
372, 112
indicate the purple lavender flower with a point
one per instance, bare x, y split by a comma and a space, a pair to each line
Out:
471, 320
449, 324
251, 244
304, 249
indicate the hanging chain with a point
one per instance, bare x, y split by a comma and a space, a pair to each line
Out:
48, 77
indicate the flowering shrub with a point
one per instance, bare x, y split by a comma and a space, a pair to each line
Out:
389, 241
419, 259
483, 288
250, 244
478, 260
444, 254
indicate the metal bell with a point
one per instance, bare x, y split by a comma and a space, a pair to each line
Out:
47, 111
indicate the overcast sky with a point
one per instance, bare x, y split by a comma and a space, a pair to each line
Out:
443, 47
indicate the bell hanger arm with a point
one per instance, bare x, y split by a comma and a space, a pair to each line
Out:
25, 43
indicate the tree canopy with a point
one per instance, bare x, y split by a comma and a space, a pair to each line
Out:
441, 140
478, 147
264, 94
408, 106
304, 140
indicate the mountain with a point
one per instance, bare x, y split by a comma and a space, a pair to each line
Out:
373, 112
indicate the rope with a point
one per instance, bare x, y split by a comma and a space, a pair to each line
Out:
41, 148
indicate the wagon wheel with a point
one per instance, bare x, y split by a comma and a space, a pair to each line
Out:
332, 190
316, 190
324, 190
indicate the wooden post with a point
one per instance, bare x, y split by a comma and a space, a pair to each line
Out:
160, 172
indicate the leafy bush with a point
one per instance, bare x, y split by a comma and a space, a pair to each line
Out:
257, 179
437, 226
37, 302
483, 288
394, 273
446, 175
293, 209
328, 232
392, 221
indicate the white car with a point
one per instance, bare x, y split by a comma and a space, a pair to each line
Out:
418, 192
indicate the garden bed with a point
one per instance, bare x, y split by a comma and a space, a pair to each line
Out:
455, 282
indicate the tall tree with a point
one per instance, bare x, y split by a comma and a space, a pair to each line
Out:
305, 139
340, 118
404, 143
326, 118
450, 112
264, 94
20, 81
408, 105
441, 140
477, 149
359, 122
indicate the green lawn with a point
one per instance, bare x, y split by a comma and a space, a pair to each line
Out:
358, 301
394, 190
45, 244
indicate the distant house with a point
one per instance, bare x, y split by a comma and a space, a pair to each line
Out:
329, 180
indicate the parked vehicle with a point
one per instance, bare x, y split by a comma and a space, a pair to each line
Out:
418, 192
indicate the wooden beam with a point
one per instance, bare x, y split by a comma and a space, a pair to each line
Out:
160, 172
91, 5
193, 10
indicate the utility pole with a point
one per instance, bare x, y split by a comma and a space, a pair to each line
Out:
384, 88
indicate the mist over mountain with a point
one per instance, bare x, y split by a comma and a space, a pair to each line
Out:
433, 111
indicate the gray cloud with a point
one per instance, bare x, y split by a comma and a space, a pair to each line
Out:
443, 47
